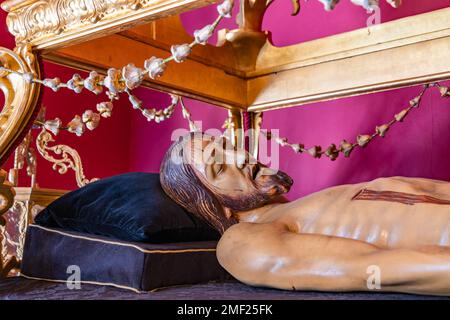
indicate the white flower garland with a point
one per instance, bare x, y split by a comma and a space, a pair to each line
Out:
130, 77
124, 80
362, 140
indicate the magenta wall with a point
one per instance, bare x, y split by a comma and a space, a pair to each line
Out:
419, 147
149, 141
104, 151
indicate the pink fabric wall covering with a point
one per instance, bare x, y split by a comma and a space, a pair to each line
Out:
419, 147
104, 151
127, 142
149, 141
313, 22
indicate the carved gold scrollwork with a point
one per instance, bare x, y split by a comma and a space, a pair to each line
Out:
6, 201
20, 102
20, 96
17, 217
69, 157
24, 154
27, 203
6, 195
44, 18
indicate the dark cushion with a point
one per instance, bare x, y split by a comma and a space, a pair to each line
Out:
52, 254
129, 207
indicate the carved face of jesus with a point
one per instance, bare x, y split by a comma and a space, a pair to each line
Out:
238, 180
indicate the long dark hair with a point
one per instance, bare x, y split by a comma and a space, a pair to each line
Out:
181, 184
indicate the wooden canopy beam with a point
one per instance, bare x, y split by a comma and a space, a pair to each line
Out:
391, 55
191, 78
49, 24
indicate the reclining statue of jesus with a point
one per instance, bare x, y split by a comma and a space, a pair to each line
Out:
390, 234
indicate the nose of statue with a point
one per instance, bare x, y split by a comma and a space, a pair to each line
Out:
285, 180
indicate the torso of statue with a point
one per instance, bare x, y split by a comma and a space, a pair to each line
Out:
330, 240
393, 212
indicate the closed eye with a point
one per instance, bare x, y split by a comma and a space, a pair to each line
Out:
255, 170
218, 169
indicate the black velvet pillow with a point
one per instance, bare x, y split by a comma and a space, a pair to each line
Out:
130, 207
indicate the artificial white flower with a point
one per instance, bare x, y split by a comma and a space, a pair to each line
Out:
382, 130
155, 67
133, 76
52, 83
445, 92
93, 82
76, 83
53, 126
168, 111
346, 148
113, 81
105, 109
225, 8
315, 152
28, 77
329, 4
91, 119
175, 99
135, 102
149, 114
76, 126
363, 139
281, 141
202, 36
395, 3
401, 115
298, 148
367, 4
157, 119
112, 96
180, 52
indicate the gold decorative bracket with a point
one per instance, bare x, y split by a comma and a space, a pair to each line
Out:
24, 154
6, 201
20, 101
20, 96
69, 157
28, 203
248, 40
51, 24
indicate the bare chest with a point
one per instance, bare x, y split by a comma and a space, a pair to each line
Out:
383, 223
